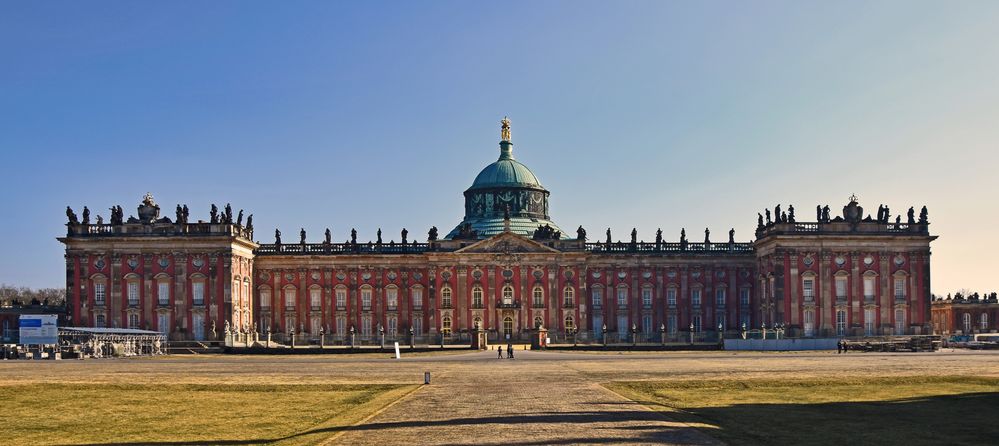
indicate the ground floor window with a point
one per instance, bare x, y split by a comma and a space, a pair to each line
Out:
967, 322
508, 327
393, 325
197, 325
841, 322
446, 326
418, 326
99, 321
314, 324
622, 325
598, 322
569, 323
900, 322
671, 324
647, 323
869, 322
744, 322
984, 322
163, 323
809, 323
133, 320
697, 324
366, 326
341, 325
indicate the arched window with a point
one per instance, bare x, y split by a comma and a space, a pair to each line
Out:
983, 322
809, 323
416, 294
538, 295
366, 298
647, 297
841, 322
508, 327
392, 297
598, 297
538, 321
446, 297
289, 298
197, 291
393, 326
341, 297
476, 297
315, 297
966, 319
570, 323
568, 296
446, 325
508, 295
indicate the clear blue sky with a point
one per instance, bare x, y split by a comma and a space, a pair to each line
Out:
379, 114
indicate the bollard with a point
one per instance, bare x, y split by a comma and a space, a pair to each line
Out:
426, 377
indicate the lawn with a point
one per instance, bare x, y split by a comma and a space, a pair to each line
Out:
185, 413
836, 410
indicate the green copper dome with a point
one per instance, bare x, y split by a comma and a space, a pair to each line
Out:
505, 172
504, 189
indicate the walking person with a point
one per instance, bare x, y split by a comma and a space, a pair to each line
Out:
499, 352
839, 347
509, 351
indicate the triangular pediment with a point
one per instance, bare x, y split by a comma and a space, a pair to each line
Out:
507, 242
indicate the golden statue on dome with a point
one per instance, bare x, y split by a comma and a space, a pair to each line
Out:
505, 129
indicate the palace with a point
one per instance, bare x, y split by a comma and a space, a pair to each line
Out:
507, 268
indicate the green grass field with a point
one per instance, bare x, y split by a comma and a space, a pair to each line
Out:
884, 411
185, 413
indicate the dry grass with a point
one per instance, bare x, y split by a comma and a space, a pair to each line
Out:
185, 413
885, 411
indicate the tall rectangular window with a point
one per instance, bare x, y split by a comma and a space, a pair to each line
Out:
133, 294
417, 294
671, 296
341, 298
744, 297
622, 325
695, 297
366, 325
133, 320
598, 323
341, 325
869, 316
671, 325
163, 293
622, 297
265, 298
841, 322
99, 321
418, 327
477, 297
841, 288
198, 292
289, 299
808, 289
744, 322
647, 297
869, 288
99, 293
697, 323
720, 297
598, 297
809, 323
315, 298
392, 298
647, 323
366, 299
899, 321
163, 323
900, 288
393, 326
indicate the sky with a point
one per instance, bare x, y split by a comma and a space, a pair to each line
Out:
367, 115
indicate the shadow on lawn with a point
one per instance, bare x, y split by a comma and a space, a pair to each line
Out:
951, 419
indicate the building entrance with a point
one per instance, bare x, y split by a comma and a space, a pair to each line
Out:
508, 327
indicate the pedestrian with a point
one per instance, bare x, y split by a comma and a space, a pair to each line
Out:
839, 346
509, 351
499, 351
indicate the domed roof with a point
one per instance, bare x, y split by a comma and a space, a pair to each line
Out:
506, 172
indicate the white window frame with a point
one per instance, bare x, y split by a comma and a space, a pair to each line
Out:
647, 297
198, 292
671, 296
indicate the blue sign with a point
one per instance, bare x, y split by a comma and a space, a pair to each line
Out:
38, 329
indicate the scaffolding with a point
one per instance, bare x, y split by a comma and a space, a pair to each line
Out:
111, 342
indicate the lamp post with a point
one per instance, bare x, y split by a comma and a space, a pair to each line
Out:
351, 337
721, 328
412, 339
291, 332
603, 335
634, 334
322, 338
743, 330
764, 328
381, 334
691, 333
662, 334
574, 331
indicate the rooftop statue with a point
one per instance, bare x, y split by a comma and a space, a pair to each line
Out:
505, 129
707, 236
731, 236
100, 220
659, 236
912, 215
580, 233
214, 214
301, 235
353, 236
86, 216
277, 236
228, 214
768, 216
404, 234
149, 211
249, 222
790, 213
71, 216
432, 234
379, 236
239, 218
777, 214
180, 215
923, 216
759, 220
818, 213
634, 235
608, 236
825, 213
329, 236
